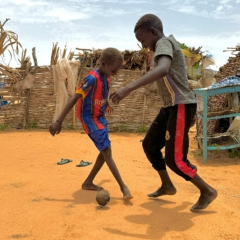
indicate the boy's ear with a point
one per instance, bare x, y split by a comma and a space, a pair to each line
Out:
103, 63
153, 31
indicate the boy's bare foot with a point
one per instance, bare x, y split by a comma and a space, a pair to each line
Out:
163, 190
204, 200
126, 193
91, 186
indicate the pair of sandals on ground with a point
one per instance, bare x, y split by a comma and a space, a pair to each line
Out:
81, 164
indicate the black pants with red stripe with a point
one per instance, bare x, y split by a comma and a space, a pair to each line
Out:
170, 130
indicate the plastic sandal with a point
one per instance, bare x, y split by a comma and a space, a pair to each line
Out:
64, 161
83, 164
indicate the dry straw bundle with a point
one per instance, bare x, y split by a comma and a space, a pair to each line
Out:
133, 60
8, 39
56, 54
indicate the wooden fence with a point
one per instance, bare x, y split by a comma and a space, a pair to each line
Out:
35, 108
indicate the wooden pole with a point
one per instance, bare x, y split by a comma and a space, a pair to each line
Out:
202, 72
78, 81
26, 115
34, 59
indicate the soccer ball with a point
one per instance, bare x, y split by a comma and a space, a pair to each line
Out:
103, 197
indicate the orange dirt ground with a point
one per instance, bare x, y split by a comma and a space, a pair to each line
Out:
41, 200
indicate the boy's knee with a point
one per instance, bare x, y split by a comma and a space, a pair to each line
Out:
107, 151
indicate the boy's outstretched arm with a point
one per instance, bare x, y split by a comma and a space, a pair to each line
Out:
161, 70
55, 128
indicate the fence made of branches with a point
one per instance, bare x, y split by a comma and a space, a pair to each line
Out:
34, 108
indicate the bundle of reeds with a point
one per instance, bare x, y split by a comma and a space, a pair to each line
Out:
12, 73
8, 39
133, 60
56, 54
88, 57
24, 59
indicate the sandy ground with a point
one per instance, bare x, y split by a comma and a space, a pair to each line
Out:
41, 200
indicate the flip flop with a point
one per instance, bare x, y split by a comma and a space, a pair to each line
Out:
64, 161
83, 164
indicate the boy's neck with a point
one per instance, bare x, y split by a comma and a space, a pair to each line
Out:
161, 35
100, 71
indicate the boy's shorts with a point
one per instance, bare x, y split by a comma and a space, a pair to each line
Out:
100, 139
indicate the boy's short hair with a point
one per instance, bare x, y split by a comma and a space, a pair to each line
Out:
147, 21
110, 55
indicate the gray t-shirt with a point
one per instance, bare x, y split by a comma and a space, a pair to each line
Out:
173, 87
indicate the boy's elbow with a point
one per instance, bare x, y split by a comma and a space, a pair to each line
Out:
162, 71
165, 71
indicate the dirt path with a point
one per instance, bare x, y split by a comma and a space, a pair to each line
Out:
41, 200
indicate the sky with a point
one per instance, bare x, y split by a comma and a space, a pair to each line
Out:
212, 25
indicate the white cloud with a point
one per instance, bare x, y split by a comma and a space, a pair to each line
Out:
28, 2
213, 10
27, 11
204, 2
219, 8
185, 9
61, 14
224, 1
111, 1
134, 1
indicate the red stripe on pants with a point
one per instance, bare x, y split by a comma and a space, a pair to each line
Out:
179, 138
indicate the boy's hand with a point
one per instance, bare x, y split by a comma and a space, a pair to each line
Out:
119, 95
109, 110
55, 128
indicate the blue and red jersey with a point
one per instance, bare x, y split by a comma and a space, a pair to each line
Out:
91, 107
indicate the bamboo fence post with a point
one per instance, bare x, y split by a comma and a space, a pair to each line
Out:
34, 57
26, 115
81, 69
28, 93
78, 80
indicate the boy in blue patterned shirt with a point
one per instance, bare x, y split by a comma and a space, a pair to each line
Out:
92, 97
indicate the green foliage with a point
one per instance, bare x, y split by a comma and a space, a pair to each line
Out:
183, 46
214, 145
69, 127
215, 152
196, 66
4, 127
32, 125
121, 128
142, 129
198, 153
235, 152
